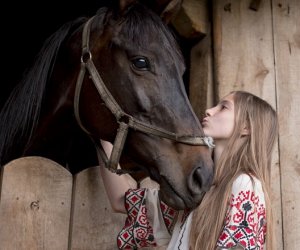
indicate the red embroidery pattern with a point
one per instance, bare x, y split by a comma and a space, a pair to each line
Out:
169, 215
244, 223
137, 232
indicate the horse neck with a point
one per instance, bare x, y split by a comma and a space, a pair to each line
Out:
58, 135
52, 136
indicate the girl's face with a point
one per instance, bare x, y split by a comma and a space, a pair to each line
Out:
219, 120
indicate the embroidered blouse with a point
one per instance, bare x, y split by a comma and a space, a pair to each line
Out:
151, 223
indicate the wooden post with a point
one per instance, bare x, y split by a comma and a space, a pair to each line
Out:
286, 26
94, 225
35, 205
244, 60
192, 24
201, 92
191, 20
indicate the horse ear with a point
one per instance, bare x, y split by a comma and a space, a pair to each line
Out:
124, 5
167, 9
171, 10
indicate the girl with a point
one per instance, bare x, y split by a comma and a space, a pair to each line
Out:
236, 212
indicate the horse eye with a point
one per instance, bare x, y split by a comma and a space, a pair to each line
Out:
140, 63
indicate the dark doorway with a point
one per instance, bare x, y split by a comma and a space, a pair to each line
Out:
25, 26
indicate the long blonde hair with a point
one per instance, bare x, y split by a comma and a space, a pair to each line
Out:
250, 154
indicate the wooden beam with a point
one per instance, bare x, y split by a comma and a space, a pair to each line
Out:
35, 205
286, 25
244, 60
192, 19
254, 5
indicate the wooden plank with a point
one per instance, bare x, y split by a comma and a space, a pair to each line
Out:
192, 19
287, 54
201, 81
94, 226
35, 205
243, 48
244, 60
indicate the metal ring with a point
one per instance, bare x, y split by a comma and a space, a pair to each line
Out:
86, 55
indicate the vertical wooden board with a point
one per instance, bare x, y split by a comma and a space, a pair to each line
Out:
244, 60
192, 19
94, 226
201, 82
35, 205
287, 60
243, 48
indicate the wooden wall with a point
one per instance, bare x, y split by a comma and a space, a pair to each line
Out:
255, 46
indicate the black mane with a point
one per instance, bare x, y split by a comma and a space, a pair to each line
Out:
19, 115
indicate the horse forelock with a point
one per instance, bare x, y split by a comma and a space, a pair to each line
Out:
141, 27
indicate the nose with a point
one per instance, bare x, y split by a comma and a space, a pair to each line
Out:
208, 112
199, 181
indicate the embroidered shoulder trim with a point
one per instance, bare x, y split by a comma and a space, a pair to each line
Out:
169, 215
137, 232
245, 222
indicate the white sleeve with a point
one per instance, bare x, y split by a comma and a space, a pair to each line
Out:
160, 231
245, 222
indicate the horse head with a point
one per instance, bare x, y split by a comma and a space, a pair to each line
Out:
120, 75
141, 67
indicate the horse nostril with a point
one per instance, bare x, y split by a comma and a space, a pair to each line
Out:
199, 181
195, 181
197, 177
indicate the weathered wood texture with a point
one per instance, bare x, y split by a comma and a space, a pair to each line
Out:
257, 49
94, 225
192, 23
191, 20
35, 205
244, 60
286, 25
201, 77
41, 208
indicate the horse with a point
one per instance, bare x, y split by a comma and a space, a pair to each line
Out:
116, 76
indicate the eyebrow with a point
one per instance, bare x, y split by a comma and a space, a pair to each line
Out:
225, 102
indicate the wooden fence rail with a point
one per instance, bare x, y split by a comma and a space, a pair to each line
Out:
43, 207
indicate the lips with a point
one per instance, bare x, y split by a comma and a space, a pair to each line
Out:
204, 121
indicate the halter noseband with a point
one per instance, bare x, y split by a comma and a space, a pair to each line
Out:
125, 120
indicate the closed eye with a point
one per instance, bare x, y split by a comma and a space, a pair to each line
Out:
224, 104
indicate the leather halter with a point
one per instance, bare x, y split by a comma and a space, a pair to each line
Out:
125, 120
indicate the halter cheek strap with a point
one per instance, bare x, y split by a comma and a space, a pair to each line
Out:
125, 120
